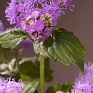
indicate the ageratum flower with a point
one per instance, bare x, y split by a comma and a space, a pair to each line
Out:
36, 17
10, 86
85, 83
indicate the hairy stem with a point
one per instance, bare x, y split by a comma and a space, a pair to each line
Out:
42, 83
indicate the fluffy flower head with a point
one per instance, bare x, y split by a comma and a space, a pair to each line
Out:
37, 17
10, 86
85, 82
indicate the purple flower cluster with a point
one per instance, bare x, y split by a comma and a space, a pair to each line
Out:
85, 83
10, 86
37, 17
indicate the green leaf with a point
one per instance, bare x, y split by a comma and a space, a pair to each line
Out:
62, 46
33, 69
4, 54
66, 87
60, 87
31, 86
50, 90
12, 38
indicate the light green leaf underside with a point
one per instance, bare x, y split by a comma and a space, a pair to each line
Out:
11, 38
31, 86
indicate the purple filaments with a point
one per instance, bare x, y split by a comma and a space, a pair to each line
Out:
85, 83
10, 86
36, 17
67, 4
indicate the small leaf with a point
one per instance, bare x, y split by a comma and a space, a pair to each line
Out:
4, 54
62, 46
66, 87
69, 86
10, 39
50, 90
31, 86
60, 87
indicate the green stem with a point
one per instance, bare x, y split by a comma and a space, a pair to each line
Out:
42, 83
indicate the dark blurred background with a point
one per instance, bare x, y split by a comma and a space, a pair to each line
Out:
80, 21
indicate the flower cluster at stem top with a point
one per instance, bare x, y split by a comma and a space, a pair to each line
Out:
10, 86
85, 82
37, 17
